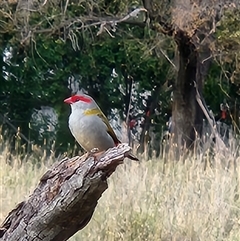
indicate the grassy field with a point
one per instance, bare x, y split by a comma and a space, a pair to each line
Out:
175, 200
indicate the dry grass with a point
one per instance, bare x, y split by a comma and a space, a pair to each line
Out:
149, 201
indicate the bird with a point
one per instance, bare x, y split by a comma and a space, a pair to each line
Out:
90, 127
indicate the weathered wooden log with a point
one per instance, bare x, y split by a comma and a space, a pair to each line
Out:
65, 198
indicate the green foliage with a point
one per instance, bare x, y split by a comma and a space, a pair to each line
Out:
222, 83
228, 32
40, 72
228, 44
213, 88
40, 66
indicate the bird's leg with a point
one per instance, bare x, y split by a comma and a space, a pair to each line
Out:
95, 153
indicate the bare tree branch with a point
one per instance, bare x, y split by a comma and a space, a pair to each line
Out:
20, 21
219, 142
65, 198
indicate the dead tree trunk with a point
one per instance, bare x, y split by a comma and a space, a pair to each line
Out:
65, 198
186, 113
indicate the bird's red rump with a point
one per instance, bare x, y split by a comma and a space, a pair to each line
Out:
117, 143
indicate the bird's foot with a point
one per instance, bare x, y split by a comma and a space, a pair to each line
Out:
96, 153
94, 150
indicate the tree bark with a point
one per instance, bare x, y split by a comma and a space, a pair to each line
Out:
187, 116
65, 199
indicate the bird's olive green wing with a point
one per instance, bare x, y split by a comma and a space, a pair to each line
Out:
99, 113
109, 128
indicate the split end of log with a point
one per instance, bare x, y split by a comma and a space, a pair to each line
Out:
65, 197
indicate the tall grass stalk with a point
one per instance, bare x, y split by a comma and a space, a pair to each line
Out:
189, 199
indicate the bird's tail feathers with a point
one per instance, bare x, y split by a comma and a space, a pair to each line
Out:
132, 157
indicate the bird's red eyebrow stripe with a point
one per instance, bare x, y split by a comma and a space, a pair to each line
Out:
82, 98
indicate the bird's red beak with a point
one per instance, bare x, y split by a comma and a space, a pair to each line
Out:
68, 100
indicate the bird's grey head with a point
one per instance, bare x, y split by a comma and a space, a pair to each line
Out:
81, 102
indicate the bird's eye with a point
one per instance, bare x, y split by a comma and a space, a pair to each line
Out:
75, 99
